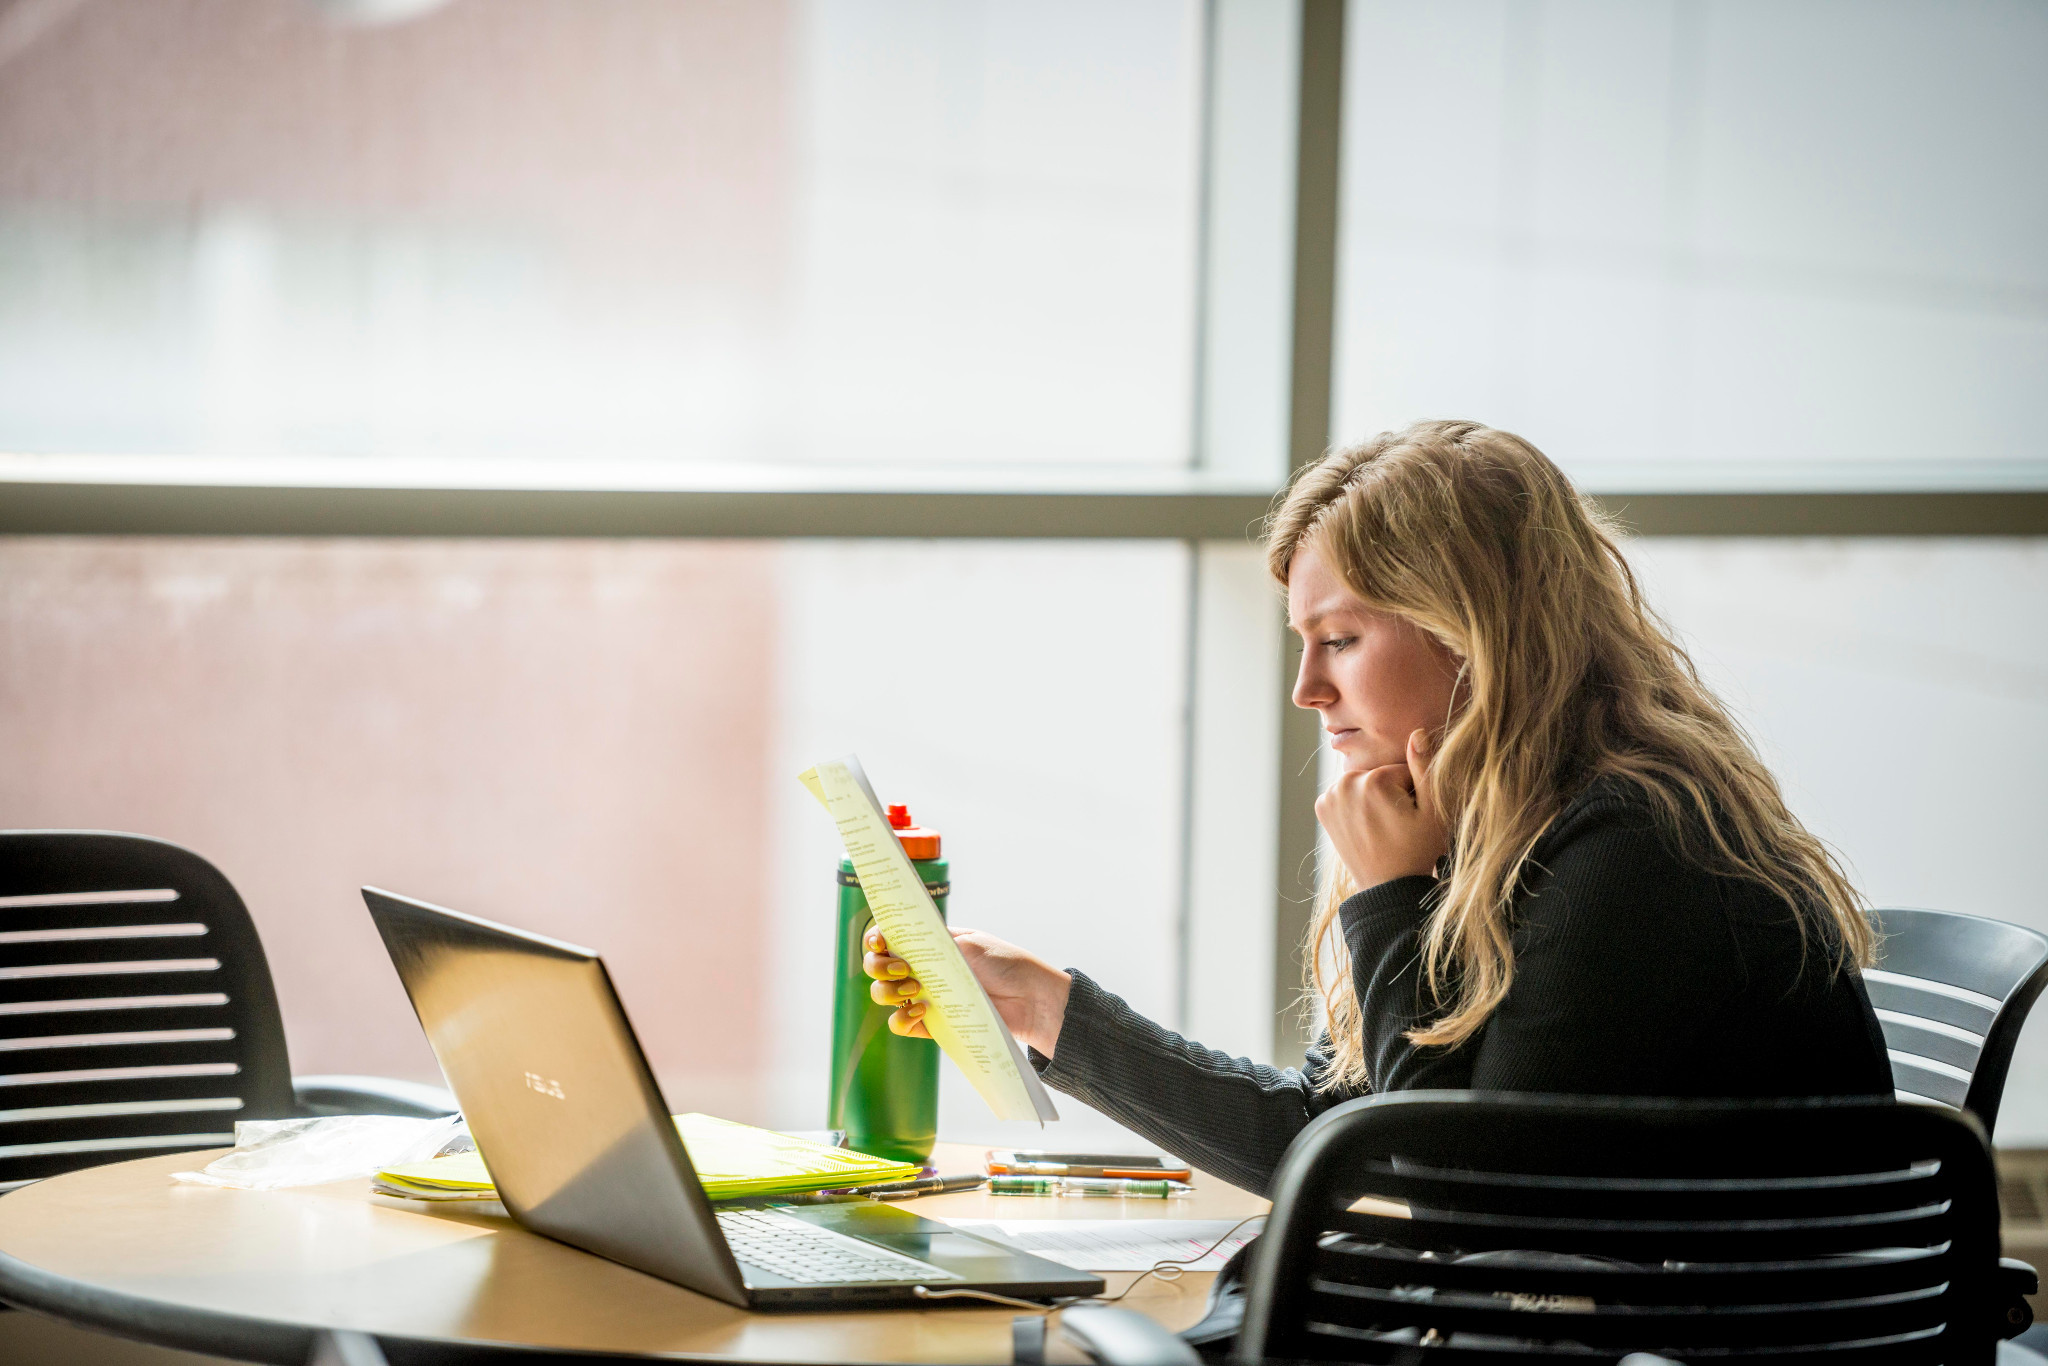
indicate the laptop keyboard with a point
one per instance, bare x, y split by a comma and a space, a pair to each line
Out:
800, 1251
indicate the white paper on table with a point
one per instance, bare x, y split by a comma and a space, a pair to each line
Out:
960, 1016
1118, 1244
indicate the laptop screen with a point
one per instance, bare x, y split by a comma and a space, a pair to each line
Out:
556, 1091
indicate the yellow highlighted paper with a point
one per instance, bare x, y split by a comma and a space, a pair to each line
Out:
734, 1161
960, 1017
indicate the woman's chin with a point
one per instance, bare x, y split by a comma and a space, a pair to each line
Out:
1363, 760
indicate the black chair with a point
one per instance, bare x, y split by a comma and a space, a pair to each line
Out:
1805, 1230
1951, 992
137, 1011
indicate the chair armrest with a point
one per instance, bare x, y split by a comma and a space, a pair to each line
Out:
2016, 1281
370, 1096
338, 1348
1124, 1337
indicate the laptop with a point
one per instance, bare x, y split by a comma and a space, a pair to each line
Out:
565, 1112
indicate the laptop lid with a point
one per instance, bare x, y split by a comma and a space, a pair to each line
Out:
557, 1093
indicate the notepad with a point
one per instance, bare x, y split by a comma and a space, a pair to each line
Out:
734, 1161
961, 1018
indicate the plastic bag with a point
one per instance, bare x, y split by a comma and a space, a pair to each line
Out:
272, 1154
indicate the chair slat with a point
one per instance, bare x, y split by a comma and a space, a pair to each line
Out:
1579, 1319
1339, 1342
45, 969
1925, 1000
1739, 1198
28, 1005
114, 1038
1944, 1043
1926, 1077
16, 903
1655, 1240
1351, 1260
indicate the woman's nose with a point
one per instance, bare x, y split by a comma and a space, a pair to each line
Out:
1311, 690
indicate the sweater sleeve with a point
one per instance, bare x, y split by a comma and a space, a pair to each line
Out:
1382, 931
1229, 1116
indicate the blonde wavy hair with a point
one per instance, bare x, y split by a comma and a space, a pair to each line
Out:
1567, 676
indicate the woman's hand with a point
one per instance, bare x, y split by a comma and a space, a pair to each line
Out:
1382, 822
1029, 993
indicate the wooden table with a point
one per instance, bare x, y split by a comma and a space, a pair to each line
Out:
252, 1274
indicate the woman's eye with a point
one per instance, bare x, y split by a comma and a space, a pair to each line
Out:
1337, 644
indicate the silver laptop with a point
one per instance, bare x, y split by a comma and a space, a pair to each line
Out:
567, 1116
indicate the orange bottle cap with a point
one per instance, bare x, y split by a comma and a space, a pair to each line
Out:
918, 842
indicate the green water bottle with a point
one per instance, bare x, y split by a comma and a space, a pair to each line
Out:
885, 1088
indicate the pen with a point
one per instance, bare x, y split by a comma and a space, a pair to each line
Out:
929, 1185
1086, 1169
1085, 1185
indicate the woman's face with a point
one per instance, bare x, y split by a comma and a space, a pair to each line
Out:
1375, 678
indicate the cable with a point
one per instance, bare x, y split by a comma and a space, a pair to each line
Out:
925, 1292
1173, 1271
1165, 1271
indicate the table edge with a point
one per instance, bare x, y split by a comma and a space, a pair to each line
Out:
214, 1332
139, 1319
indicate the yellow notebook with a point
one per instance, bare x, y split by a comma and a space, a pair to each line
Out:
732, 1160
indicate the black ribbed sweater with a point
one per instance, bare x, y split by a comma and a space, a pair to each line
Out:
1637, 972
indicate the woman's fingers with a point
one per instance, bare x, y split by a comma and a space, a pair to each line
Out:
1389, 781
894, 986
884, 966
909, 1021
878, 962
894, 993
1418, 768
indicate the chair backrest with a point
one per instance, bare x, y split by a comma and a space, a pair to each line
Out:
1951, 992
136, 1010
1845, 1230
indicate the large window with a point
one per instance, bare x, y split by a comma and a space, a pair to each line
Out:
1711, 245
872, 271
827, 231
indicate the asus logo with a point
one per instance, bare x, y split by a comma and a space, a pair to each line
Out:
547, 1086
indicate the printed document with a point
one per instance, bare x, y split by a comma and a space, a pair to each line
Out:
1120, 1244
960, 1017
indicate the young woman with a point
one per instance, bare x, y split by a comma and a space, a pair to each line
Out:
1560, 866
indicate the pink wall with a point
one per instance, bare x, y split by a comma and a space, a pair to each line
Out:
570, 736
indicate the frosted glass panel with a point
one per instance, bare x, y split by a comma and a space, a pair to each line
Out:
1039, 726
600, 741
1798, 244
788, 230
1900, 691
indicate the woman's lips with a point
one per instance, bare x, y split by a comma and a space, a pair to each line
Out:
1338, 737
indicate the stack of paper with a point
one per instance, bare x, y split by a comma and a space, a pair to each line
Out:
733, 1161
